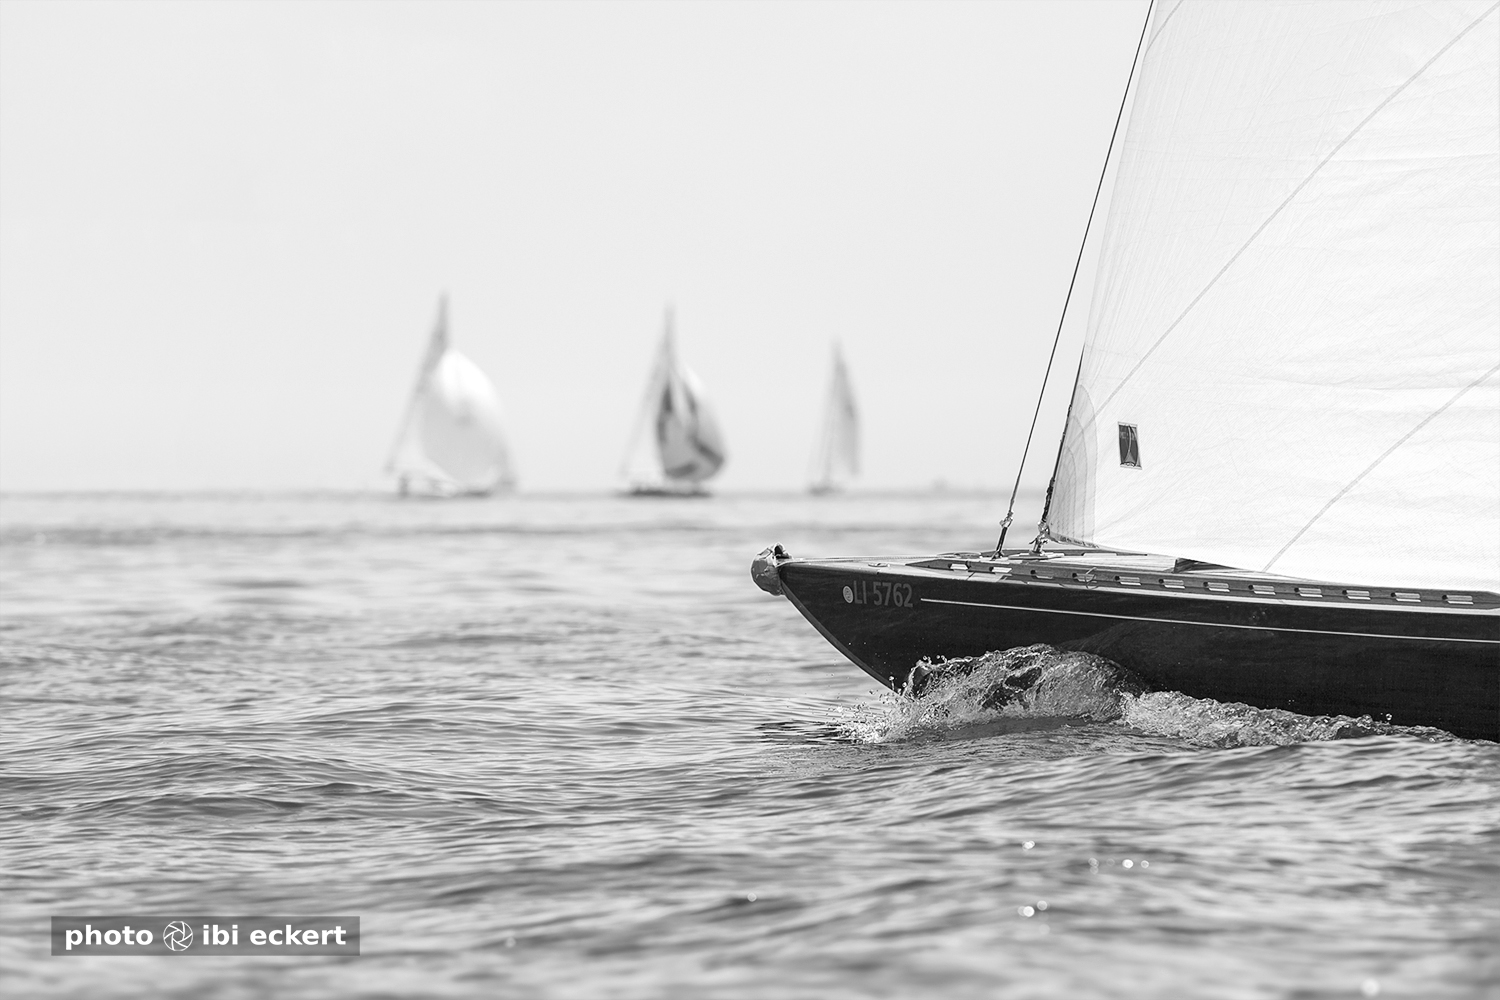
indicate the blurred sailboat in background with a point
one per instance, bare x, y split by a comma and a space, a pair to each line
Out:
688, 446
836, 455
452, 439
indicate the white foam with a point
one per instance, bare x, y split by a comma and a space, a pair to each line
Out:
1033, 682
1039, 682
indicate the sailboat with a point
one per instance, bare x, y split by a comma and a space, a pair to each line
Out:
452, 440
836, 455
688, 447
1279, 477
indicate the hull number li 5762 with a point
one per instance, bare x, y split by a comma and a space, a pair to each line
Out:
879, 593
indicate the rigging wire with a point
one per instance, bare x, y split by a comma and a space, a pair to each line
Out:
1011, 510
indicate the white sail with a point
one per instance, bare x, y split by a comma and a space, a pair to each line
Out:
836, 455
452, 439
1293, 353
689, 446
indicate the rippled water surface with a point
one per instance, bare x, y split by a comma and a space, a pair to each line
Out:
563, 747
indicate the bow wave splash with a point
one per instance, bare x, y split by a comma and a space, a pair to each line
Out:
1040, 686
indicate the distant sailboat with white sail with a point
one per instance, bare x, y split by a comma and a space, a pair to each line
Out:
452, 439
836, 455
688, 446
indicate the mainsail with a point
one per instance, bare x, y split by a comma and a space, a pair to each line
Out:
452, 438
1293, 354
836, 455
689, 446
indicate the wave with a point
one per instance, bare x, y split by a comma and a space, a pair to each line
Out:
1209, 723
1023, 688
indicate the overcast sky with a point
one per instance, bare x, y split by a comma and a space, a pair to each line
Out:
224, 228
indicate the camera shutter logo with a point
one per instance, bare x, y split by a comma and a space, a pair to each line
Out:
178, 936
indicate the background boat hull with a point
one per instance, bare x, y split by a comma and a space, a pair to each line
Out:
1415, 668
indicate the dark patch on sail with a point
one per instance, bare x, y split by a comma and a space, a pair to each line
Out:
706, 458
706, 451
664, 413
1130, 447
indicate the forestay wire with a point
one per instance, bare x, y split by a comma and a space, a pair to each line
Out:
1119, 116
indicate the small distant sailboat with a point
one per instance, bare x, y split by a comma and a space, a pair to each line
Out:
689, 448
452, 439
836, 455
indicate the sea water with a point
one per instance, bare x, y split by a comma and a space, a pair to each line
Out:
561, 746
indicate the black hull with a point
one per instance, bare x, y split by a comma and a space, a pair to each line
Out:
1311, 650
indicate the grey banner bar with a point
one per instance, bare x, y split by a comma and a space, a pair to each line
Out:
166, 934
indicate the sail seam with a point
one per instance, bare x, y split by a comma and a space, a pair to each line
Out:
1163, 26
1289, 199
1372, 466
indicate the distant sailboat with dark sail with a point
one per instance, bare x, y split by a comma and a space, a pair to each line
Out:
452, 439
685, 447
1279, 478
836, 455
